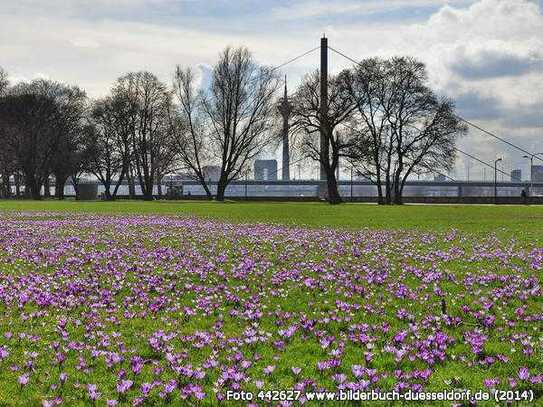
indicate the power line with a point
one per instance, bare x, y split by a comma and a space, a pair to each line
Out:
457, 116
497, 137
295, 58
483, 162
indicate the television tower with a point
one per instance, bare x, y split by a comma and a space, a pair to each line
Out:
285, 108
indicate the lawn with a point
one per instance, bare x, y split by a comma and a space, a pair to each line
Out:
472, 218
100, 305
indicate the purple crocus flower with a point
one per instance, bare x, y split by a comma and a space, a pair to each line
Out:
269, 369
523, 373
124, 385
92, 391
23, 379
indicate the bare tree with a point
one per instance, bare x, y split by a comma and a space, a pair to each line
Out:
26, 121
108, 160
7, 157
403, 127
308, 119
152, 133
71, 146
124, 109
42, 122
239, 107
4, 81
192, 134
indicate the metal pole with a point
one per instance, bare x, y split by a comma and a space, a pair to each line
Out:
324, 105
531, 174
351, 183
496, 180
246, 187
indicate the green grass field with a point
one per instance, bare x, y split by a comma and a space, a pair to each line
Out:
472, 218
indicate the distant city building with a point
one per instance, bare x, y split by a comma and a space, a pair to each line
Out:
537, 173
211, 172
516, 175
266, 170
440, 178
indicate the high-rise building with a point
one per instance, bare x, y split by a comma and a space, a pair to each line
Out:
537, 173
266, 170
516, 175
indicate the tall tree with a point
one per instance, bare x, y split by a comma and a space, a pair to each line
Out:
4, 81
152, 134
7, 157
239, 109
110, 155
191, 139
404, 128
44, 121
27, 124
309, 120
71, 143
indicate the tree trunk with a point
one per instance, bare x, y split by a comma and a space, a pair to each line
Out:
46, 188
397, 183
17, 179
147, 187
6, 187
60, 182
131, 186
107, 190
33, 188
334, 197
207, 190
118, 184
221, 188
388, 194
380, 200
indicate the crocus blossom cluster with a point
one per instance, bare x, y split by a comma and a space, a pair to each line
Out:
151, 310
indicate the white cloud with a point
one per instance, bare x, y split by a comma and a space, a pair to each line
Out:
315, 8
466, 49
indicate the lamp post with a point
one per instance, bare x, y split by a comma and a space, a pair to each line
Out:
496, 180
351, 183
246, 176
531, 157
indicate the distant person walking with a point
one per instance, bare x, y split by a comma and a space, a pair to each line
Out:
524, 196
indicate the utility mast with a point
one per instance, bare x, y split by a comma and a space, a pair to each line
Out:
324, 145
285, 108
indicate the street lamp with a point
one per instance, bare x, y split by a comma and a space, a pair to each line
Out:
351, 183
496, 179
246, 176
531, 157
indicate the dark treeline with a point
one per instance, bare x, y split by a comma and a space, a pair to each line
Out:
382, 119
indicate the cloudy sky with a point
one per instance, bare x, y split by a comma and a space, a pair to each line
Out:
486, 54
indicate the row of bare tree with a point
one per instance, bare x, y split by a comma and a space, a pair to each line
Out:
381, 118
